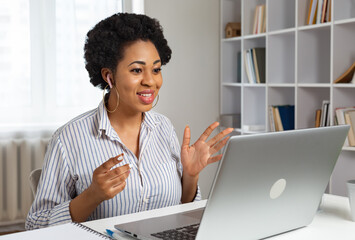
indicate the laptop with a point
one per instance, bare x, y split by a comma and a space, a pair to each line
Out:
266, 184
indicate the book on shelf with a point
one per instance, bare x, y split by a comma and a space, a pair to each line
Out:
254, 61
319, 11
340, 118
318, 114
324, 118
348, 76
248, 65
251, 64
350, 120
239, 67
259, 25
312, 12
259, 64
271, 119
278, 122
324, 11
283, 117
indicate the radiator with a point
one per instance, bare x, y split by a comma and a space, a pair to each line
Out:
18, 157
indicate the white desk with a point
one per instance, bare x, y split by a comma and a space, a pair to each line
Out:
333, 221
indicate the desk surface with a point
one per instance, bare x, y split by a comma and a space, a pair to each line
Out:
332, 221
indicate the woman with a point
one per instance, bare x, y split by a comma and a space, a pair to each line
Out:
121, 157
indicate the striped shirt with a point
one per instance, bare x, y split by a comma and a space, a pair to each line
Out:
83, 144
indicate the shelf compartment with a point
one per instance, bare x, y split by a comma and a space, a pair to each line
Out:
254, 106
248, 15
308, 101
344, 48
231, 62
343, 97
281, 14
281, 96
343, 171
231, 100
313, 63
230, 12
343, 9
303, 7
281, 58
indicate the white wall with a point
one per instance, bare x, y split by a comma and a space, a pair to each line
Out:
190, 92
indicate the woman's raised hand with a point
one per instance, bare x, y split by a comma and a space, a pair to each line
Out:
196, 157
107, 182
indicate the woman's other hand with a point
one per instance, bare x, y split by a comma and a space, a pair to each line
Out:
108, 182
196, 157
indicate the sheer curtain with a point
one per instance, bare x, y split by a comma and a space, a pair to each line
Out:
43, 80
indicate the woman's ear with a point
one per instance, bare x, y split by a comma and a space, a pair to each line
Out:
106, 73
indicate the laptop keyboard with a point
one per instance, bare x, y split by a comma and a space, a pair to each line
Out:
182, 233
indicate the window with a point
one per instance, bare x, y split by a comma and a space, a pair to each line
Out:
42, 68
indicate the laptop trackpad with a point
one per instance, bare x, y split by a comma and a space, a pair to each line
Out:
158, 224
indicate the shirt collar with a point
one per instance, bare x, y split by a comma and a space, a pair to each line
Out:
149, 121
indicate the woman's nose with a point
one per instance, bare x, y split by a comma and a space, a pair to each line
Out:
148, 79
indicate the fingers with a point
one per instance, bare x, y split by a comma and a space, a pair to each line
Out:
187, 137
119, 178
214, 159
219, 146
117, 172
219, 136
106, 166
208, 131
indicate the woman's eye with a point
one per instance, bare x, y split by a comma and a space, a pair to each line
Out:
157, 70
136, 70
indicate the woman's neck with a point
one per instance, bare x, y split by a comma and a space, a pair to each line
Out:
125, 120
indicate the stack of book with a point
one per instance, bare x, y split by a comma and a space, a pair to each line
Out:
254, 61
319, 11
281, 117
259, 19
323, 115
346, 115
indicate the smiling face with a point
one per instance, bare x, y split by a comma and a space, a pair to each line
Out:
138, 77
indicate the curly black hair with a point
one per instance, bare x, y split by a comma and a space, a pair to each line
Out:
104, 45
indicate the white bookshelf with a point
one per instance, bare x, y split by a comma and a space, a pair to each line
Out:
302, 61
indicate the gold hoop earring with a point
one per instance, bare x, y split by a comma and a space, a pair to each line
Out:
104, 99
156, 101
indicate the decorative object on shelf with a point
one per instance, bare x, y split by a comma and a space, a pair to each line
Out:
259, 19
348, 76
233, 29
230, 120
254, 128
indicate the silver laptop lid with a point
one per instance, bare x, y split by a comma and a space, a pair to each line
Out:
270, 183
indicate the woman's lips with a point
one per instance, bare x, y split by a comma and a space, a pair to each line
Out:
146, 96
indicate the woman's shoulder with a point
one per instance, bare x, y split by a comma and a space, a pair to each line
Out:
84, 121
160, 119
